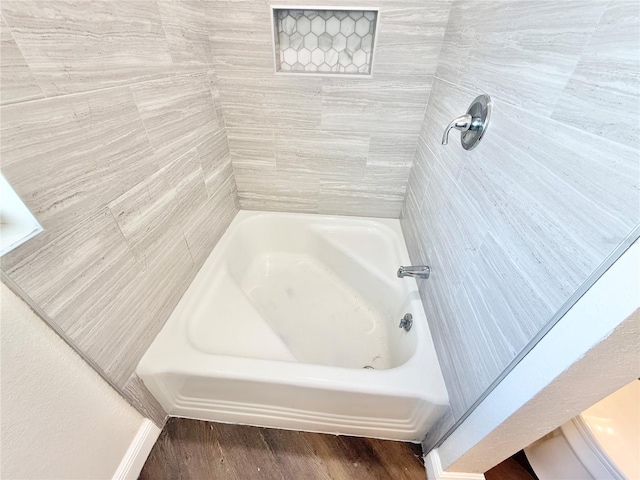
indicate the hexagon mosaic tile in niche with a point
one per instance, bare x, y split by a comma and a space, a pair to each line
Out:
324, 41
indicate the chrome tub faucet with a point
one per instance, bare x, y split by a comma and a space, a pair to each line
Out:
416, 271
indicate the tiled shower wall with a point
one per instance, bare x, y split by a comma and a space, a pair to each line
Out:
325, 145
113, 135
512, 228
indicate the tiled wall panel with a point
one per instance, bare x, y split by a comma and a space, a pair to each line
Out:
512, 228
113, 135
111, 43
318, 144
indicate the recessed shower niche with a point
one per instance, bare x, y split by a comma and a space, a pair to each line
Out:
324, 41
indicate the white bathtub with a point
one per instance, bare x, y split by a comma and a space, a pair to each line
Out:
279, 324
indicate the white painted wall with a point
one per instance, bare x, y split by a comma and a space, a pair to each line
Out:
59, 419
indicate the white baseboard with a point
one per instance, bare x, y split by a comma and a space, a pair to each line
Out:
434, 470
137, 453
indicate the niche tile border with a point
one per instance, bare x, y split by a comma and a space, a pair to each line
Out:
324, 41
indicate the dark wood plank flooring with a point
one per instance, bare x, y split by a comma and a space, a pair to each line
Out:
510, 469
191, 449
196, 450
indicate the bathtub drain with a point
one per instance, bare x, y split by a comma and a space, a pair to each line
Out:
369, 366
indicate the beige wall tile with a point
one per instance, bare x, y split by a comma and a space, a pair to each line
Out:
607, 79
68, 157
380, 106
74, 277
205, 226
410, 37
325, 155
215, 160
177, 113
363, 198
17, 83
391, 150
265, 190
185, 27
523, 52
118, 338
215, 93
78, 46
148, 216
252, 148
265, 100
240, 36
144, 401
186, 178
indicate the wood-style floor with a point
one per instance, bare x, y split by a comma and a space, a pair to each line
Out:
195, 450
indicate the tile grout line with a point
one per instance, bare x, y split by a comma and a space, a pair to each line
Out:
181, 74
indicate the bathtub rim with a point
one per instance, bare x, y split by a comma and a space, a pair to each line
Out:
418, 377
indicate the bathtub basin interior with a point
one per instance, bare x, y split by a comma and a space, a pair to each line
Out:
319, 317
293, 322
322, 295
